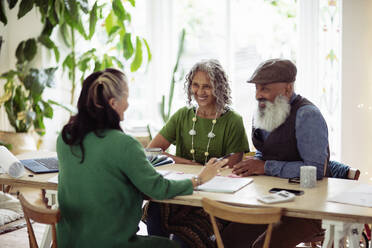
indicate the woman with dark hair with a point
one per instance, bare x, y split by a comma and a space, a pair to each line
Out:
104, 173
209, 129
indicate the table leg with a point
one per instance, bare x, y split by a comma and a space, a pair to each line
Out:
329, 234
354, 235
47, 237
337, 231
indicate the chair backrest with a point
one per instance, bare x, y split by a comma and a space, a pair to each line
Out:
353, 174
242, 215
41, 215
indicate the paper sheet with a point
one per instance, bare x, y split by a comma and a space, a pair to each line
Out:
361, 195
217, 184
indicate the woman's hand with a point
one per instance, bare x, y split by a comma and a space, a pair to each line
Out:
210, 170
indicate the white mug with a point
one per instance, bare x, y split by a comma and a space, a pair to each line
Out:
307, 176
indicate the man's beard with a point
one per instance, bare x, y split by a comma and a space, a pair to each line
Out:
272, 115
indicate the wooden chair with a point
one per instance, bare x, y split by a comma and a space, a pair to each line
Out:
241, 215
41, 215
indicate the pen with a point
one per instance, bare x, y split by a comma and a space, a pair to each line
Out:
226, 156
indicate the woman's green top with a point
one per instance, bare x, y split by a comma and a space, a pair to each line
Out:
229, 130
101, 199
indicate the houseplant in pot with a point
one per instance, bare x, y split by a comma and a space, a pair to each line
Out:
23, 101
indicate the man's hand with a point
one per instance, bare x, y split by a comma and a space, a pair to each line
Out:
249, 166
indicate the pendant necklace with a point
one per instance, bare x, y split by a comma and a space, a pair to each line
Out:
210, 136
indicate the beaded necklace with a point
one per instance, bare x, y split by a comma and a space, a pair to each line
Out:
210, 135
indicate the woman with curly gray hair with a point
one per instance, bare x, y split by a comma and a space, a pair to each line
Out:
206, 128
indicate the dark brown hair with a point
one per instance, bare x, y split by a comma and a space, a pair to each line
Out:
95, 114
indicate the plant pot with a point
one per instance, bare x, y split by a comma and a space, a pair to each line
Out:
21, 142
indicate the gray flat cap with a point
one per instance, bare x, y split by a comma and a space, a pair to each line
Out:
274, 71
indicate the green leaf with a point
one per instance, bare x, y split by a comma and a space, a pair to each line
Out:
133, 2
3, 18
52, 13
97, 66
8, 146
59, 10
80, 27
149, 55
84, 5
127, 46
93, 20
48, 110
46, 41
48, 27
9, 75
30, 49
49, 72
12, 3
56, 53
65, 34
25, 7
72, 9
107, 61
37, 80
19, 52
83, 62
119, 10
113, 30
43, 8
118, 63
109, 21
137, 61
68, 62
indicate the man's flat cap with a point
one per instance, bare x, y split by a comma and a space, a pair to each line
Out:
274, 71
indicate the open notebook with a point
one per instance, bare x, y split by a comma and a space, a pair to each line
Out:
220, 184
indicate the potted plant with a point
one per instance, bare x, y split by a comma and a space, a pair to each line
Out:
22, 99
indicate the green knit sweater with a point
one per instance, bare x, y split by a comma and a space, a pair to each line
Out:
101, 199
229, 130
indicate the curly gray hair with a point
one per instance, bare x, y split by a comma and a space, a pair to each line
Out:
218, 79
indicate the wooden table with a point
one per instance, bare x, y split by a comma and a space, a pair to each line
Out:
30, 179
312, 204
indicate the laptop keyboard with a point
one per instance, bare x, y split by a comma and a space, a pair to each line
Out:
50, 163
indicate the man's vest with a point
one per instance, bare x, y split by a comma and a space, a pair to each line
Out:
281, 144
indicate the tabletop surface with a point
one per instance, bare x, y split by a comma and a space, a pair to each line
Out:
312, 204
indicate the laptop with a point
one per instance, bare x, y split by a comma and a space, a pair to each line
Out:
41, 165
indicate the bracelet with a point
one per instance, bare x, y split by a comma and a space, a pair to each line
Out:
197, 180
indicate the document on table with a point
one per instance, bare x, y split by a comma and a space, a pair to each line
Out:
360, 195
53, 179
218, 184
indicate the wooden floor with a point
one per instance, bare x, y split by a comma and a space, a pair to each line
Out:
19, 238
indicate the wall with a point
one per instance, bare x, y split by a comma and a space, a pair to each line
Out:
356, 115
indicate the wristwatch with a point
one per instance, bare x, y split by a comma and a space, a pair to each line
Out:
197, 180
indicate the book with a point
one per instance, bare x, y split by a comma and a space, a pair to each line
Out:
219, 184
157, 160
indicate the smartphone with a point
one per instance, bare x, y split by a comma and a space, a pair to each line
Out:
295, 180
293, 191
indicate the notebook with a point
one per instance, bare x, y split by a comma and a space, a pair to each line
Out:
219, 184
41, 165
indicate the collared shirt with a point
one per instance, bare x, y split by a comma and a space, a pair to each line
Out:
312, 143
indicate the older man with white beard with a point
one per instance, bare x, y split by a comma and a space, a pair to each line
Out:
288, 132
